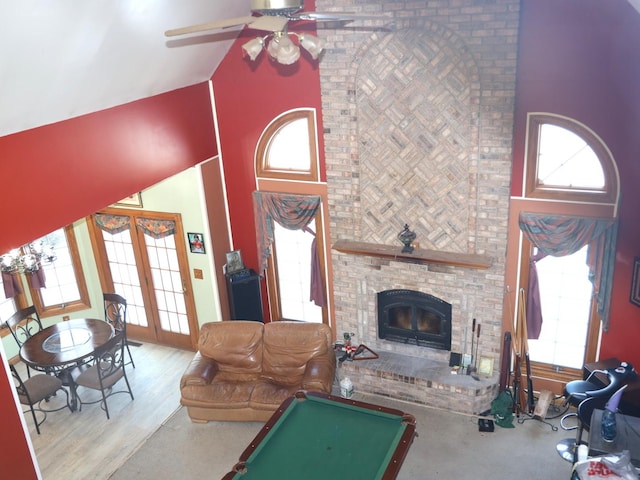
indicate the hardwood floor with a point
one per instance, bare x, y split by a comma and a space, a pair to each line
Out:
85, 445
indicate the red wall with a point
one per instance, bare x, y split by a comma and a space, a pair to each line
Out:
580, 58
248, 96
56, 174
15, 456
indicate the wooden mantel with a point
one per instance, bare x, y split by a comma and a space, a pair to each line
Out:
419, 255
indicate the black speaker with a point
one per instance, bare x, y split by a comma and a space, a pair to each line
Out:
245, 297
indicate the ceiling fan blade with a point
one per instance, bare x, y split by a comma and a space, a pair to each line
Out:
336, 17
230, 22
270, 23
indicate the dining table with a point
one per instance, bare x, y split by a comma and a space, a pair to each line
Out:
64, 346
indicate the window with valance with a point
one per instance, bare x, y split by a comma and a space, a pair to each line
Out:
567, 251
559, 235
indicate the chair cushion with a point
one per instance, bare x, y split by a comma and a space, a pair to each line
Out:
40, 387
89, 378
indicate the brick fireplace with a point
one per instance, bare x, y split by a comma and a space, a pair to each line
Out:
418, 130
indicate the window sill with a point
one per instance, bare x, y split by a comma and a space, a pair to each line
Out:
419, 255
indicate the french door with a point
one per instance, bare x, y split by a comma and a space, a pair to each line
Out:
141, 255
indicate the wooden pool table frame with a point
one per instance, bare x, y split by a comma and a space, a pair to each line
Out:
395, 461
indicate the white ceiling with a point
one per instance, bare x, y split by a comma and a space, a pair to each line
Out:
64, 58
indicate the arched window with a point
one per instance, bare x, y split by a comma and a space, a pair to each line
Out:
567, 161
288, 148
573, 180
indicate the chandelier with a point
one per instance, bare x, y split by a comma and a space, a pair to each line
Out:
282, 49
28, 258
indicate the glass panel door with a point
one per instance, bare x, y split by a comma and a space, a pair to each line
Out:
124, 275
167, 282
152, 274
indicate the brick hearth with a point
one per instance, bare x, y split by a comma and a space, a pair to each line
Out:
421, 381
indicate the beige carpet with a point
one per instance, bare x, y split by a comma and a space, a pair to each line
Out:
449, 446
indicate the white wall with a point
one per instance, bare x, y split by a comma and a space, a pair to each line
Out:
178, 194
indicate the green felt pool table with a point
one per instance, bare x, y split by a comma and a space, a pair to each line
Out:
318, 436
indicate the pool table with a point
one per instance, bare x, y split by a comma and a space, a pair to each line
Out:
318, 436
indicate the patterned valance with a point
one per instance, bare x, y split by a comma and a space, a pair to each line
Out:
156, 228
113, 223
561, 235
291, 211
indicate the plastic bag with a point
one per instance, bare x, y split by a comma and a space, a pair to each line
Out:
607, 467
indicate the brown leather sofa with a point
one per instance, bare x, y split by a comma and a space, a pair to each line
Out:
243, 370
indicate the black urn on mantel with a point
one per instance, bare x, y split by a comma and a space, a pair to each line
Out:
407, 237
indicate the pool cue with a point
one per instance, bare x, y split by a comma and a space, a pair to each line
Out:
471, 360
475, 359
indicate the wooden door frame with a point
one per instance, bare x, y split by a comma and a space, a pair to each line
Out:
106, 281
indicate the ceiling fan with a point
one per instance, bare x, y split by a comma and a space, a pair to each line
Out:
273, 16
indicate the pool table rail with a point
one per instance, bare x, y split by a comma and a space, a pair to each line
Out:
396, 454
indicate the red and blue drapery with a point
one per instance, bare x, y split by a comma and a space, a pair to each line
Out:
294, 212
560, 235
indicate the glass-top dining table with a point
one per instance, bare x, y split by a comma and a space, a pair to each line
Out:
65, 345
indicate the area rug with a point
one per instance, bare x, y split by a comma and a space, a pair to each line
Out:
448, 446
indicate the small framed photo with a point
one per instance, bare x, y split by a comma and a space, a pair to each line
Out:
134, 200
485, 366
196, 243
635, 283
234, 261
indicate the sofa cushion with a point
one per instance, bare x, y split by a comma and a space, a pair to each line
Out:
288, 346
219, 394
235, 345
268, 395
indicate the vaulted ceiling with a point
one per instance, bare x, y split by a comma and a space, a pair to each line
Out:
64, 58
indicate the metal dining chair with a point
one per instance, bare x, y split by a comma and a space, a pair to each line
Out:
36, 389
107, 370
115, 312
23, 325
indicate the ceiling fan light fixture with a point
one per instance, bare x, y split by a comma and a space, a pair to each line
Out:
312, 44
283, 50
253, 47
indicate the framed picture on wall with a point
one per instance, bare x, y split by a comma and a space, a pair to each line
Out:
133, 200
196, 243
635, 283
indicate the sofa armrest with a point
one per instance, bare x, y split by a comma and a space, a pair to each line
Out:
200, 371
320, 372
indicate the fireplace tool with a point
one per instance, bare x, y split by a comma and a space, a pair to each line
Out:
351, 351
470, 367
475, 356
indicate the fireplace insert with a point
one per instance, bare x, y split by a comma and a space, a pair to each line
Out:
416, 318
